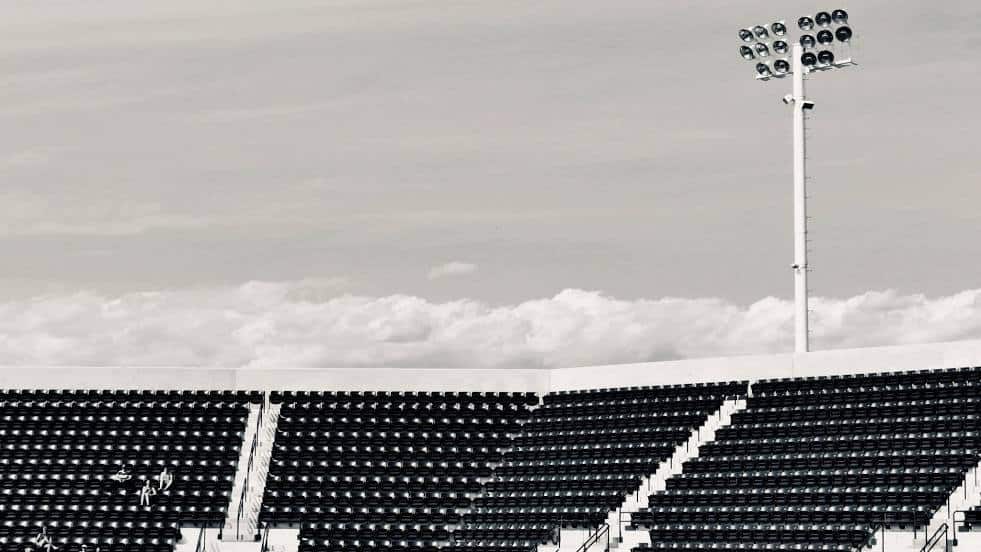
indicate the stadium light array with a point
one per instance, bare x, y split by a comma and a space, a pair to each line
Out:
823, 42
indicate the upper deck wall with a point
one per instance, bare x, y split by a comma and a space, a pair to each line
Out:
752, 368
848, 361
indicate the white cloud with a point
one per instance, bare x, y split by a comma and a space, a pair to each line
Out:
454, 268
303, 324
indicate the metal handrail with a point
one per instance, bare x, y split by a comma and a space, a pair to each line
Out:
955, 521
933, 540
199, 547
593, 538
264, 547
248, 472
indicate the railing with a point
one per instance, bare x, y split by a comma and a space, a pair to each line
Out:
955, 521
936, 538
248, 471
594, 537
264, 547
200, 546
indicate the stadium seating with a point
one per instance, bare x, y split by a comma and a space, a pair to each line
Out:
578, 458
817, 463
58, 450
384, 470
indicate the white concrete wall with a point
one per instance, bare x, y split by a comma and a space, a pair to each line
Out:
327, 379
819, 363
848, 361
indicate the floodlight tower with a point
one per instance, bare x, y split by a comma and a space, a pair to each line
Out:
833, 33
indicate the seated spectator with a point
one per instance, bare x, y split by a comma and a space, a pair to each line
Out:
165, 480
146, 492
43, 541
122, 475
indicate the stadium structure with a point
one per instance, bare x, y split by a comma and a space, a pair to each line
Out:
836, 451
848, 450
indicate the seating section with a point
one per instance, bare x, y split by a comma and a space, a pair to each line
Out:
818, 463
384, 470
578, 458
809, 464
59, 450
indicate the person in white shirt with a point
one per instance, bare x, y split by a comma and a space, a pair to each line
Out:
121, 476
145, 493
165, 480
42, 540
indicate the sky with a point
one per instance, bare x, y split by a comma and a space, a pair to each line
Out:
437, 165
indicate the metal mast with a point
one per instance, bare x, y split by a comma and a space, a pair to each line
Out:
800, 104
813, 50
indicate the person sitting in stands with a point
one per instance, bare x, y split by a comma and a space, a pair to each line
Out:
122, 475
165, 480
145, 493
42, 540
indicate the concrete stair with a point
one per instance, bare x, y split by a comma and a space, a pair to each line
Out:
260, 431
623, 538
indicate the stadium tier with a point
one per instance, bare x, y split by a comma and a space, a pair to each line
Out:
823, 461
579, 456
556, 461
384, 470
60, 451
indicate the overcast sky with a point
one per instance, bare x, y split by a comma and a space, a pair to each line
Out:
497, 152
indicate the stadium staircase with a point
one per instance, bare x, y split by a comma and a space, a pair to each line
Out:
241, 522
625, 538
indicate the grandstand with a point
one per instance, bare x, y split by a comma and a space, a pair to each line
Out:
836, 451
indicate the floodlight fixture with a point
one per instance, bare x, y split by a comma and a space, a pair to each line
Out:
826, 57
823, 37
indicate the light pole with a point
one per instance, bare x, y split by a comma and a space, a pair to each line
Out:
833, 34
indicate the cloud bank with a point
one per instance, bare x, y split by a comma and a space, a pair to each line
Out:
308, 324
